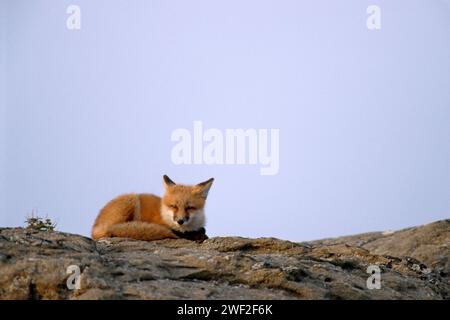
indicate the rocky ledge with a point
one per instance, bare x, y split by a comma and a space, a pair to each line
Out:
414, 264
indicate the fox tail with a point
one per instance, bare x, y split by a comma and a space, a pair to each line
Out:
138, 230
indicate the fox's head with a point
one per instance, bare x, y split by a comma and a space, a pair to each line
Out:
182, 206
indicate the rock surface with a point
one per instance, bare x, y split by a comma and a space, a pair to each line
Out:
414, 264
429, 243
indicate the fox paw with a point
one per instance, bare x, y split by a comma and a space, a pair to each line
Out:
198, 235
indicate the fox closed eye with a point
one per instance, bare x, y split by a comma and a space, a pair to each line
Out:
190, 208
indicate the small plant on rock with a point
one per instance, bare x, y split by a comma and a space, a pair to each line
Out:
34, 222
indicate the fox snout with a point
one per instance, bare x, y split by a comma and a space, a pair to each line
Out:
180, 219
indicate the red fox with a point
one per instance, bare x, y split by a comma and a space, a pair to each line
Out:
178, 214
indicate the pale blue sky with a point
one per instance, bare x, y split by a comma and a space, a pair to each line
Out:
363, 115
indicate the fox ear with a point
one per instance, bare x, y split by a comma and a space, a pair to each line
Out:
168, 182
203, 187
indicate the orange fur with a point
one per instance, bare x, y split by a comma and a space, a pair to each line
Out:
148, 217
